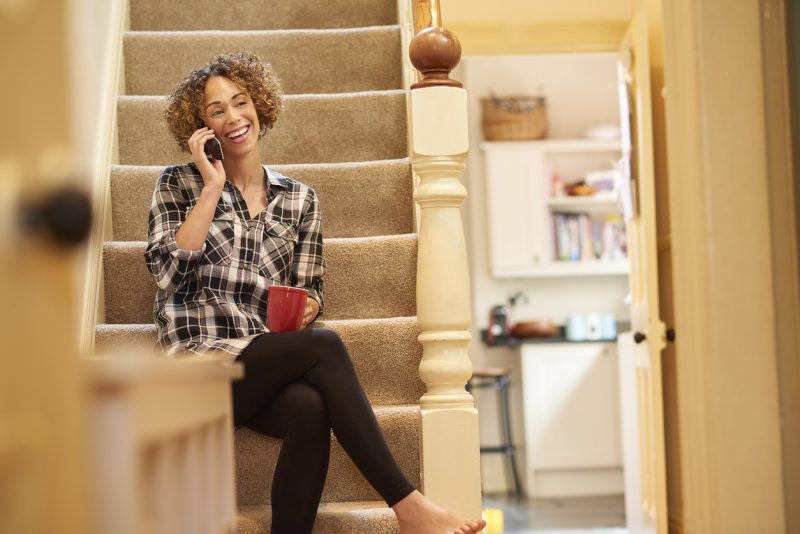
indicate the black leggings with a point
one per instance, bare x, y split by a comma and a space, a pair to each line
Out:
297, 386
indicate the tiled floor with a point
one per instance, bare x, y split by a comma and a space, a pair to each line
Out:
595, 515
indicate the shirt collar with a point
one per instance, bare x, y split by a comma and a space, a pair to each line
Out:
276, 179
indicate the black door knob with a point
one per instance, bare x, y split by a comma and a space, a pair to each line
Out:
638, 337
63, 216
670, 334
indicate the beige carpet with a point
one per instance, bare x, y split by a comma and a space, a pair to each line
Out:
343, 131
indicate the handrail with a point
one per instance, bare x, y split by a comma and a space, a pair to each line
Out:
427, 13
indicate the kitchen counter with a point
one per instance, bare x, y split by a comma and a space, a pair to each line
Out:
511, 341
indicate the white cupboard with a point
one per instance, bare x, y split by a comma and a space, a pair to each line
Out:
572, 419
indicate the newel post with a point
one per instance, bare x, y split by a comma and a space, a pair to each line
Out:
450, 448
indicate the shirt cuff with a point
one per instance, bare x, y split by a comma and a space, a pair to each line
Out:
313, 294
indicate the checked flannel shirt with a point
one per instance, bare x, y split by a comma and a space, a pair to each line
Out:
214, 300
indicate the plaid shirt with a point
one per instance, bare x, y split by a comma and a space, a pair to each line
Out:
215, 298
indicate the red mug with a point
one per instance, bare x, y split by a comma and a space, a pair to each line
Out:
285, 308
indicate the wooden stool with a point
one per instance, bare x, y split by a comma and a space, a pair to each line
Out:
497, 378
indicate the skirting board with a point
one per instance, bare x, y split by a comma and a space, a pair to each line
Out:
575, 483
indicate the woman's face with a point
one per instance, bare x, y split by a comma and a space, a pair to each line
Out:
229, 111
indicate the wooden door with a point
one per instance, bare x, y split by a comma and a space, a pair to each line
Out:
641, 351
42, 481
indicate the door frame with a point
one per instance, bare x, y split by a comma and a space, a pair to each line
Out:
727, 368
782, 164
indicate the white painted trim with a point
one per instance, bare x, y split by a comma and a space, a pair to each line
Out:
105, 153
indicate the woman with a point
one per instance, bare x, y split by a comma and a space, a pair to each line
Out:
219, 233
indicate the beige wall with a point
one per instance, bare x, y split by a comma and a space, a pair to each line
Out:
512, 12
536, 26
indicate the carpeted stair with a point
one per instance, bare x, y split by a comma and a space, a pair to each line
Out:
343, 132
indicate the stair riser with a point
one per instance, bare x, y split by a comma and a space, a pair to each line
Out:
385, 353
256, 456
311, 129
305, 61
367, 278
261, 14
357, 200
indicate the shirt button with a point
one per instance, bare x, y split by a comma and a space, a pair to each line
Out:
241, 307
246, 266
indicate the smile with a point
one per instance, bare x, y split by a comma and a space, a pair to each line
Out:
238, 135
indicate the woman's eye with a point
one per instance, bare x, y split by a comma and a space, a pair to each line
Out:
216, 113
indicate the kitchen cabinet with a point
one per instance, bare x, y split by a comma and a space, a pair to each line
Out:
526, 212
572, 419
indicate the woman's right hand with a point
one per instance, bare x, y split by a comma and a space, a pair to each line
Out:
212, 170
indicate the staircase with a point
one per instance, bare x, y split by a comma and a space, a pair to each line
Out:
343, 132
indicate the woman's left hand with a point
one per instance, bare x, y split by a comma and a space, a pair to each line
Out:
312, 309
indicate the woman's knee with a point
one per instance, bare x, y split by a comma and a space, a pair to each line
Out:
306, 405
328, 346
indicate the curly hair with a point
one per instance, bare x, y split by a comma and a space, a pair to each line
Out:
244, 69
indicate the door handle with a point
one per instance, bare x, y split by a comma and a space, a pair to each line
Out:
63, 215
638, 337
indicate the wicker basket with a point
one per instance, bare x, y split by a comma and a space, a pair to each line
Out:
513, 118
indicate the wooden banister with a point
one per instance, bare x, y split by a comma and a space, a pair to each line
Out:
450, 449
434, 51
427, 13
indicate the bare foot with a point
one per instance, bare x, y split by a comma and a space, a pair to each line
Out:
418, 515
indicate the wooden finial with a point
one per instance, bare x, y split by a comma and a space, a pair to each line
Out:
435, 52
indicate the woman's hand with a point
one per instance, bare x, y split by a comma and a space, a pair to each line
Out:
212, 171
312, 309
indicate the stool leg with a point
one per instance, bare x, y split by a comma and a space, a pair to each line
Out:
511, 449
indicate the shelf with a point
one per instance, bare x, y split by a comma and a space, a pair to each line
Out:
559, 269
588, 203
553, 146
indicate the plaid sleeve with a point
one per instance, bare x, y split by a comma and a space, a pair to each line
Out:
169, 265
308, 266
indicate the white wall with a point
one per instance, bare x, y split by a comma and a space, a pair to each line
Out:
581, 92
95, 34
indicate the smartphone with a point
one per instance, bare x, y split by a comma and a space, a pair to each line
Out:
213, 149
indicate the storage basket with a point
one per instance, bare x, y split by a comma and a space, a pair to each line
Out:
513, 118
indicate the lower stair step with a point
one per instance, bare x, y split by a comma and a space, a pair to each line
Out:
385, 352
367, 277
256, 455
333, 518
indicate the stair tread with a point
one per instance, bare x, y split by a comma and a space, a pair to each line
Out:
366, 517
385, 352
367, 277
306, 61
256, 455
261, 14
313, 128
349, 209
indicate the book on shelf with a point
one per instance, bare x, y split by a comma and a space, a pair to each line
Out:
583, 237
